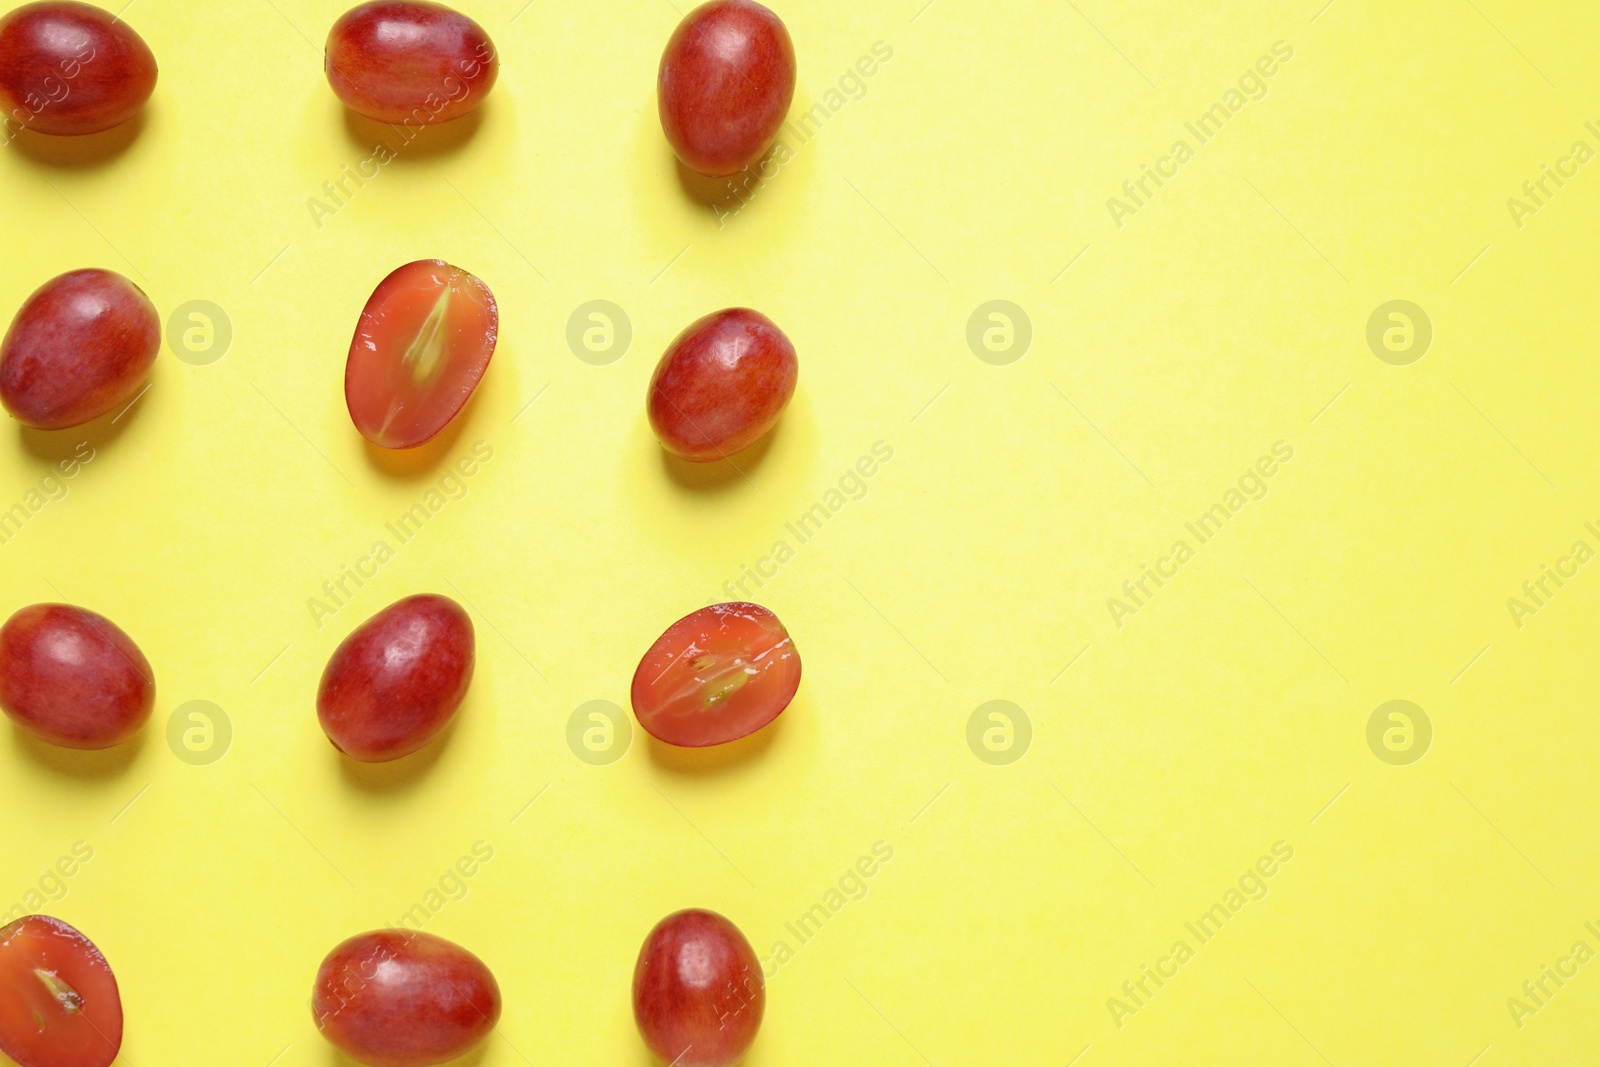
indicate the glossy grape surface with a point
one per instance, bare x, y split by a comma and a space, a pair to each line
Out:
68, 68
698, 991
72, 678
398, 679
721, 385
716, 675
59, 1002
80, 346
399, 998
409, 62
726, 81
421, 346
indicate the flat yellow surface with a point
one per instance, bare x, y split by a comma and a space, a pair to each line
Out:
1181, 741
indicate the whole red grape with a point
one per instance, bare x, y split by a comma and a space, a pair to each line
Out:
70, 68
410, 61
71, 677
698, 991
726, 81
398, 679
721, 385
81, 345
399, 998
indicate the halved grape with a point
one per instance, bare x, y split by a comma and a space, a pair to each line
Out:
716, 675
421, 346
59, 1003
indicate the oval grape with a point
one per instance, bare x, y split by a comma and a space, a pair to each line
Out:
59, 1002
397, 680
69, 69
399, 998
721, 385
726, 81
81, 345
421, 346
410, 62
716, 675
698, 991
72, 678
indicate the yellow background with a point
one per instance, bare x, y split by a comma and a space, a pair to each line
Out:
1167, 755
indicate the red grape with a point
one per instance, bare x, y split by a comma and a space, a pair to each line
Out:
698, 991
69, 68
715, 676
395, 998
72, 678
397, 680
81, 344
59, 1005
721, 385
409, 61
421, 346
726, 82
